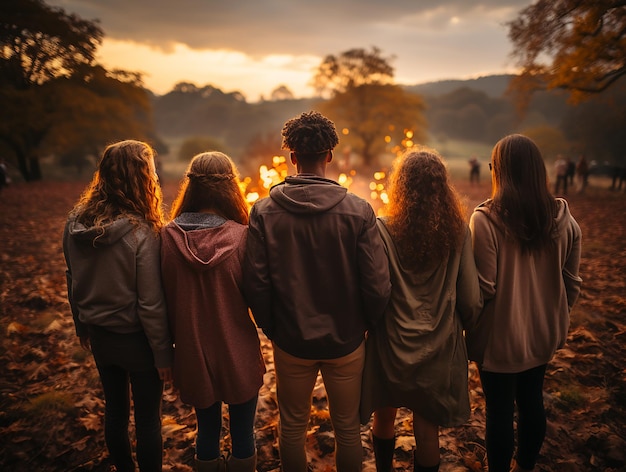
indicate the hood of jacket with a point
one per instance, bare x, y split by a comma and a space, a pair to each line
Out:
103, 235
204, 247
307, 194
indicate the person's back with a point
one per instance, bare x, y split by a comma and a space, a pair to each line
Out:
316, 277
416, 356
217, 356
527, 253
315, 233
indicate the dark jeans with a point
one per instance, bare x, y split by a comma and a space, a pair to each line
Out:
123, 360
502, 392
241, 430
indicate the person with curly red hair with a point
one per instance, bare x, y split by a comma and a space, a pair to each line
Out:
416, 356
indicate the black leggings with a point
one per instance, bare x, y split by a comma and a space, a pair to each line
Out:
502, 393
125, 363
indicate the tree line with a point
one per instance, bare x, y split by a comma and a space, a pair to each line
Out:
58, 101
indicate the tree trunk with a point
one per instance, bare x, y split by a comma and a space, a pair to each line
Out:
29, 167
35, 168
22, 165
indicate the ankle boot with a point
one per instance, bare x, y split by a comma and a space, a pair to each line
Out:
517, 468
421, 468
383, 453
432, 468
241, 465
214, 465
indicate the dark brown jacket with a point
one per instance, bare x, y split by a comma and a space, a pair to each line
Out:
316, 273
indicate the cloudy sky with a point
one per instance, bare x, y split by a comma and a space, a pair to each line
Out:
253, 46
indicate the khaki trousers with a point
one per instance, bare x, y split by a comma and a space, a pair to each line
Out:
295, 380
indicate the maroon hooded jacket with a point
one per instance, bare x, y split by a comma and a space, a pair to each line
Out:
217, 354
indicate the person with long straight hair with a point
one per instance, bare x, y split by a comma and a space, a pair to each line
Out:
416, 355
217, 356
527, 249
111, 247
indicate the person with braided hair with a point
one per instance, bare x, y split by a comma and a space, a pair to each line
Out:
217, 355
316, 277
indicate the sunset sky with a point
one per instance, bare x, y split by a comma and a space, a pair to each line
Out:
253, 46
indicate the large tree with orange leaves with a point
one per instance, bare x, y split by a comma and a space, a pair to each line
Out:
576, 45
373, 113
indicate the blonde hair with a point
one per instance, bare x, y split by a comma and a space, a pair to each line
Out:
211, 183
124, 185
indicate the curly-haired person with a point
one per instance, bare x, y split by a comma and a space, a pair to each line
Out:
316, 279
416, 356
111, 246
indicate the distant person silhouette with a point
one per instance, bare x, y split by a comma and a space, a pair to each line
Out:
474, 170
560, 170
582, 171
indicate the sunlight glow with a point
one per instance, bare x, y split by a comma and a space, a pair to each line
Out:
227, 70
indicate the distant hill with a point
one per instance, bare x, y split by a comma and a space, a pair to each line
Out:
493, 86
473, 110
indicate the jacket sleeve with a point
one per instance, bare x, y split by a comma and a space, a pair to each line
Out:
571, 278
80, 327
151, 307
375, 283
168, 279
257, 285
469, 301
485, 246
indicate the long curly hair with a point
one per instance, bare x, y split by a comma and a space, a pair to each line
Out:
520, 196
309, 135
124, 185
211, 183
425, 215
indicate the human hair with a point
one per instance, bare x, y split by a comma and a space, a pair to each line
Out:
520, 195
310, 136
124, 185
425, 215
211, 183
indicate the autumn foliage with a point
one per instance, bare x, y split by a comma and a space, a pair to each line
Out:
51, 407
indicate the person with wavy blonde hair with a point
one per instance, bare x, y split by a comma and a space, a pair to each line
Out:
416, 356
124, 184
111, 248
217, 356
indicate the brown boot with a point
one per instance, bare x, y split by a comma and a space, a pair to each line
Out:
214, 465
248, 464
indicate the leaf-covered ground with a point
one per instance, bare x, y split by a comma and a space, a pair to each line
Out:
51, 406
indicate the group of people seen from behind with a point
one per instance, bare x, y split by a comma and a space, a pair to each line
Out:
389, 310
